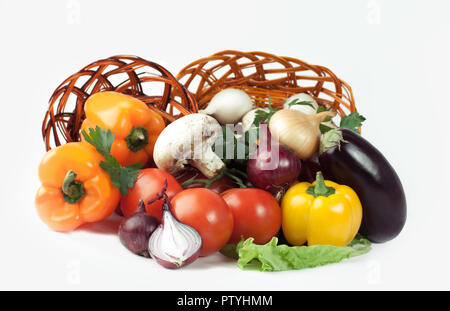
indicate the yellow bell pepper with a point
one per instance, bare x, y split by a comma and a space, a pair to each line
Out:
323, 212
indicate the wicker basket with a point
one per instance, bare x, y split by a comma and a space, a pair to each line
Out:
131, 75
261, 75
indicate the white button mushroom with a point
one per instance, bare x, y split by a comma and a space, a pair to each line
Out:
189, 140
229, 105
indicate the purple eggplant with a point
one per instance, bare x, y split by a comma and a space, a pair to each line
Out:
309, 169
349, 159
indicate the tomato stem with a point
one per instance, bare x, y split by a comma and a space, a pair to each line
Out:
230, 172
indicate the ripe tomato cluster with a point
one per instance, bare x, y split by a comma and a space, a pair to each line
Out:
220, 218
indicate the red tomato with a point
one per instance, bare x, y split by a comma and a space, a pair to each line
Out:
149, 183
256, 214
207, 212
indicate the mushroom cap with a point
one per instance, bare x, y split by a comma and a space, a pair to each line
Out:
189, 140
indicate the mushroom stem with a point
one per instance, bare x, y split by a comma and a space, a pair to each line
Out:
209, 164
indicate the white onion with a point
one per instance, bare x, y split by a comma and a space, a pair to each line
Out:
228, 106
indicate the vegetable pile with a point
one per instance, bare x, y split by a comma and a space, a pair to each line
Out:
274, 189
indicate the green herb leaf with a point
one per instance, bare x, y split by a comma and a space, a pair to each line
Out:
230, 172
324, 128
232, 146
298, 102
352, 122
321, 109
273, 257
122, 177
261, 115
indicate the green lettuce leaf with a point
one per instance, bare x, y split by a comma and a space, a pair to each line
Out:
273, 257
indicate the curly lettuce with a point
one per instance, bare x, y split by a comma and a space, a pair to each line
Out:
273, 257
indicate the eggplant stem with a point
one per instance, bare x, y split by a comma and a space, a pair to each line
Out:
332, 138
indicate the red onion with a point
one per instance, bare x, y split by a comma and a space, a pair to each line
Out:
136, 229
174, 244
272, 166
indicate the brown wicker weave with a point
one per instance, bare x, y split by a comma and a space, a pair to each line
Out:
263, 75
131, 75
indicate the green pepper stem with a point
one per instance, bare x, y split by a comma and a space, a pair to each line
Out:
137, 138
72, 190
320, 189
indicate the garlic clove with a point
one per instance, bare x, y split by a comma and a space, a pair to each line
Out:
249, 117
229, 105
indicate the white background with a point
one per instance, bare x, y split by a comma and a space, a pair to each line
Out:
394, 54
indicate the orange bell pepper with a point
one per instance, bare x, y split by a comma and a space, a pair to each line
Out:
74, 189
135, 125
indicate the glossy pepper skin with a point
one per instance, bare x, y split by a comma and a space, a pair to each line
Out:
323, 212
136, 127
74, 189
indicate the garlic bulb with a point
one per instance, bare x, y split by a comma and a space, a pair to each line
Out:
228, 106
249, 117
302, 97
298, 131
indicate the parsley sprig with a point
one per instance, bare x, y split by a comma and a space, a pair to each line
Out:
301, 103
122, 177
262, 115
352, 122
